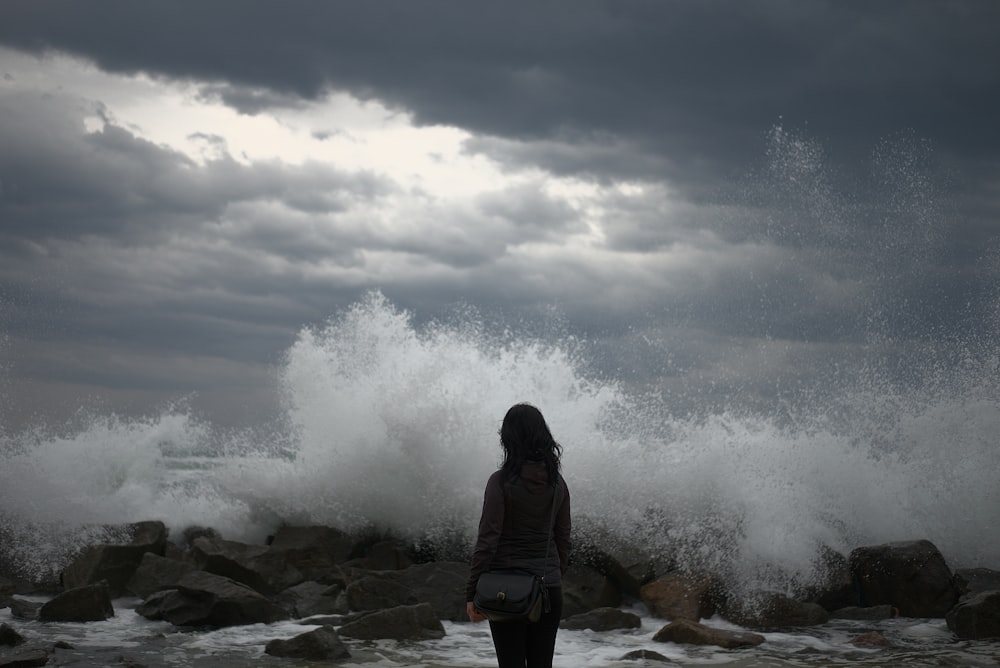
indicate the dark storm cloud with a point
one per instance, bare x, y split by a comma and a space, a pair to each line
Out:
804, 177
694, 83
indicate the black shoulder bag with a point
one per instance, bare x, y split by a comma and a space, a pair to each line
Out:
511, 595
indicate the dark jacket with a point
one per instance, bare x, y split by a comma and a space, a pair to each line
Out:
513, 529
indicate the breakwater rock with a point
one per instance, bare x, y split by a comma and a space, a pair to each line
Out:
374, 586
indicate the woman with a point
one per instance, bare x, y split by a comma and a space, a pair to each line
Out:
514, 533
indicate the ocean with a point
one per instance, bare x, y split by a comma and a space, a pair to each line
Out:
391, 425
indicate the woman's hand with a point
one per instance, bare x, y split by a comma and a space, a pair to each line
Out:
474, 614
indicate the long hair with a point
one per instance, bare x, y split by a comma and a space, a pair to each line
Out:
525, 437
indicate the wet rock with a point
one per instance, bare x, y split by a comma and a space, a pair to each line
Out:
407, 622
602, 619
313, 598
9, 636
687, 632
645, 655
976, 617
21, 609
911, 576
681, 597
115, 564
313, 550
377, 592
874, 613
623, 578
775, 610
976, 580
259, 567
835, 588
204, 599
24, 658
386, 555
584, 588
156, 573
322, 644
440, 584
89, 603
872, 639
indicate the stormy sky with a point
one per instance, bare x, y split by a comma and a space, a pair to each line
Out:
738, 194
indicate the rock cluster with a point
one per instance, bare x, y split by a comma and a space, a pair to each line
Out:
364, 589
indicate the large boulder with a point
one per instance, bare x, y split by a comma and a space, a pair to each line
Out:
684, 631
440, 584
156, 573
9, 636
690, 597
89, 603
313, 550
259, 567
602, 619
873, 613
204, 599
770, 610
322, 644
976, 616
584, 588
976, 580
911, 576
115, 564
25, 658
834, 586
407, 622
22, 609
378, 591
313, 598
626, 579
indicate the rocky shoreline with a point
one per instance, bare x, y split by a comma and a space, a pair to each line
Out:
374, 587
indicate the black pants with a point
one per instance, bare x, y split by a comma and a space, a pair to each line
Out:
523, 645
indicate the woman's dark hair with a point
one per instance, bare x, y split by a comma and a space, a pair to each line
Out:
525, 437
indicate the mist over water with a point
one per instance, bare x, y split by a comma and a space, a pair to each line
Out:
391, 425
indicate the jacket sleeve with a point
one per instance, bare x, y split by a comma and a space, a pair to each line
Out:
563, 529
490, 527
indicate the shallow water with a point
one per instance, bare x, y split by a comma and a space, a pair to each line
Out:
916, 642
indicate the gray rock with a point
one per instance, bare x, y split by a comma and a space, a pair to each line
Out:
602, 619
25, 658
89, 603
976, 617
322, 644
9, 636
156, 573
313, 550
378, 591
645, 655
21, 609
874, 613
259, 567
407, 622
976, 580
312, 598
204, 599
584, 588
115, 564
775, 610
911, 576
685, 631
692, 596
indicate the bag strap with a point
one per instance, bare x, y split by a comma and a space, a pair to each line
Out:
552, 522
